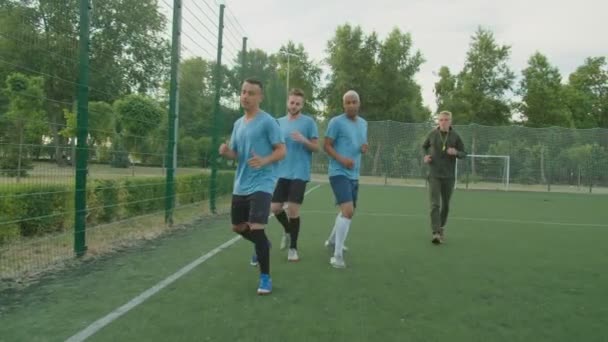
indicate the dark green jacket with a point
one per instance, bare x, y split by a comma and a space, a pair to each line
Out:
443, 165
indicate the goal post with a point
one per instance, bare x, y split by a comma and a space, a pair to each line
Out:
484, 171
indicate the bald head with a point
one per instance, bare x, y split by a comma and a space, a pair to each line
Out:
351, 103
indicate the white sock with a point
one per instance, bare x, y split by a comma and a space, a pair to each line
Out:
343, 226
332, 235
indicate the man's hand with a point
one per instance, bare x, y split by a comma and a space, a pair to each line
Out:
452, 151
364, 148
428, 159
297, 136
256, 161
224, 149
347, 162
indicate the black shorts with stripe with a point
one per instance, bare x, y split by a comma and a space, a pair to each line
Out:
290, 191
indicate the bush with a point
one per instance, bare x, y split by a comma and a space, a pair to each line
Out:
37, 210
9, 165
8, 231
192, 189
107, 196
144, 195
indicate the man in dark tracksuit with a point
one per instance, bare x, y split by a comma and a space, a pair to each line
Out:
441, 148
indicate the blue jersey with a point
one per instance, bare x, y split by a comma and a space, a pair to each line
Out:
348, 136
297, 162
258, 137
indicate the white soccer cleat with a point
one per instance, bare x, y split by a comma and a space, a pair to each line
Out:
292, 255
337, 262
285, 241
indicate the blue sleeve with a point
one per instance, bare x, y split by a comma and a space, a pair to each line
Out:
332, 130
313, 130
274, 132
365, 132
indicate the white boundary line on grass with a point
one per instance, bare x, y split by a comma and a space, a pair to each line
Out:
112, 316
480, 219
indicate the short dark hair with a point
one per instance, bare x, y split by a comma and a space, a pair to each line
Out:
255, 81
297, 92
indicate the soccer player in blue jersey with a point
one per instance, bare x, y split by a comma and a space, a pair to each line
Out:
301, 134
257, 145
345, 141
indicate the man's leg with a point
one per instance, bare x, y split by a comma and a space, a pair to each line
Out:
343, 227
293, 211
435, 200
297, 188
344, 193
239, 214
331, 240
279, 198
447, 188
240, 221
258, 219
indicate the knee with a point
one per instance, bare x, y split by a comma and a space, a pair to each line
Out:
276, 208
293, 211
348, 213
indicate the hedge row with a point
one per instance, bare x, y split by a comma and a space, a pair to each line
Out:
35, 210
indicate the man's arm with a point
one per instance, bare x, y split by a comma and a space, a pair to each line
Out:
228, 149
331, 151
311, 140
426, 144
365, 146
227, 152
311, 144
278, 153
278, 147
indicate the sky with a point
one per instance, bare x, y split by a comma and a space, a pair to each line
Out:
565, 32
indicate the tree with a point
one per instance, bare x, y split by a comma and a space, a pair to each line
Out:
264, 67
303, 73
101, 122
129, 48
396, 96
352, 57
129, 51
587, 93
382, 72
484, 82
138, 118
25, 115
542, 94
444, 89
195, 98
101, 125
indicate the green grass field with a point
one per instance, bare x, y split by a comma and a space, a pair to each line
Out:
516, 267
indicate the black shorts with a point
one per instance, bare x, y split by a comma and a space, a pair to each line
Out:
289, 190
254, 208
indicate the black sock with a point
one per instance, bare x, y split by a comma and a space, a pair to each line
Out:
258, 236
282, 218
294, 231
